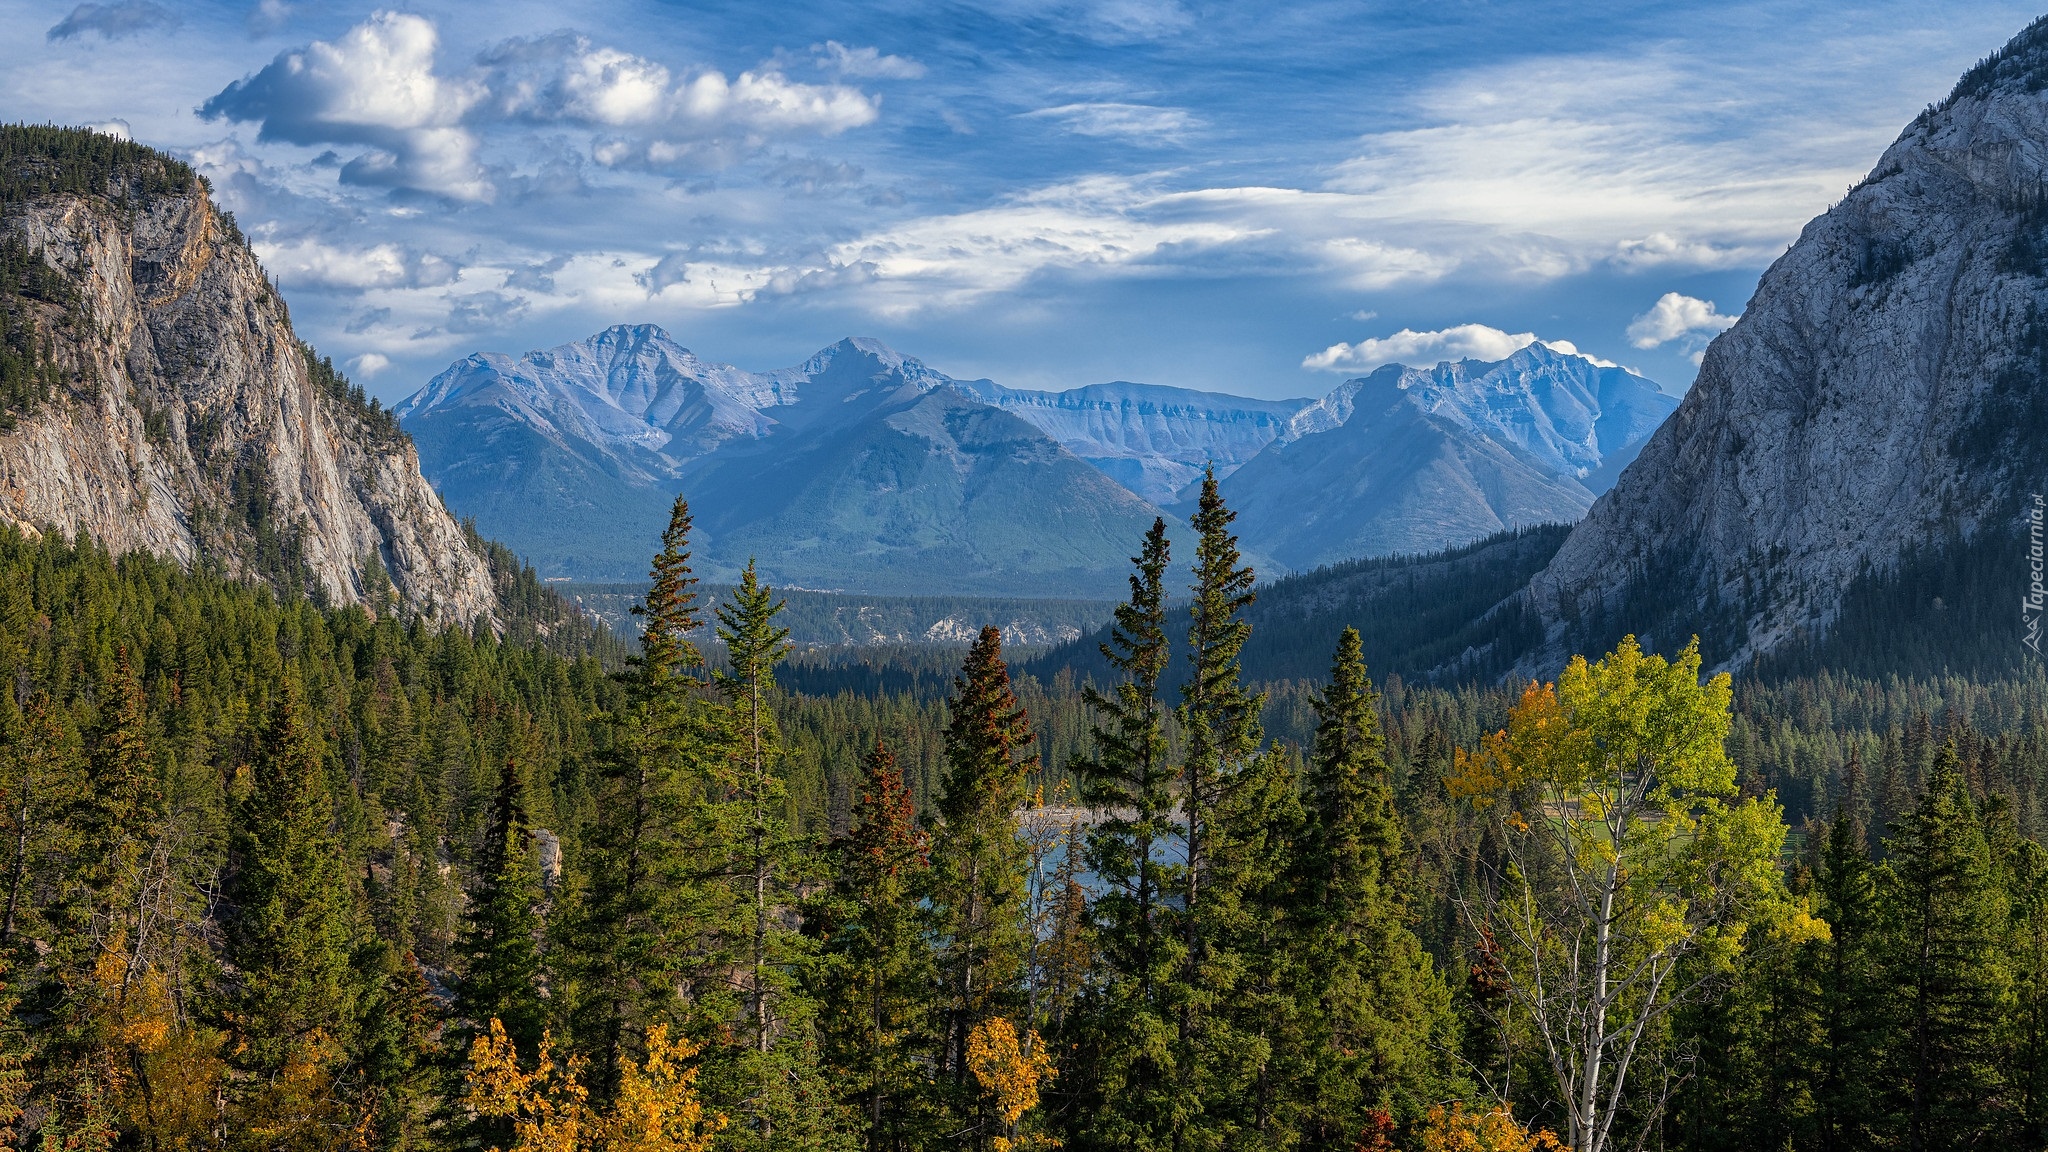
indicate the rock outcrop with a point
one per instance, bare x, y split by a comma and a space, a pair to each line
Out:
186, 418
1883, 391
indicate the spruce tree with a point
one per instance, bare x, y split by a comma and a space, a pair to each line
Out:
770, 1078
645, 894
1844, 974
979, 863
1129, 782
500, 943
1375, 1011
1219, 722
291, 1014
1943, 921
874, 984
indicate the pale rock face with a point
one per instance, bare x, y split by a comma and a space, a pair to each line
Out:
186, 373
1852, 412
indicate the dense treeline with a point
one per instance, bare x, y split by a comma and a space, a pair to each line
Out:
285, 876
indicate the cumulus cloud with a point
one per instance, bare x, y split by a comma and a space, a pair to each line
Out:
1460, 342
369, 364
117, 128
1675, 317
1139, 122
864, 63
113, 21
655, 117
374, 86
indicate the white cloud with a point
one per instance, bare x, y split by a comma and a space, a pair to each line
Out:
369, 364
1460, 342
1141, 122
661, 119
117, 128
864, 63
1675, 316
306, 262
374, 86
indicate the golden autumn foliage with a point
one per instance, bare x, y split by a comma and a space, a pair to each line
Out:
657, 1109
1495, 1130
1008, 1069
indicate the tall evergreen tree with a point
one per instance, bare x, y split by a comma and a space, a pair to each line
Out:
1943, 920
500, 943
770, 1080
979, 863
292, 1013
1219, 722
1845, 977
645, 893
1129, 780
877, 974
1376, 1011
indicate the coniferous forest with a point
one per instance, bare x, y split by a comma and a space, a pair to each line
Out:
284, 876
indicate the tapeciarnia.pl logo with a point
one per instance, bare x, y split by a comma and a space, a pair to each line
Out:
2037, 596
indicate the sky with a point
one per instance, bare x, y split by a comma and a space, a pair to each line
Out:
1261, 199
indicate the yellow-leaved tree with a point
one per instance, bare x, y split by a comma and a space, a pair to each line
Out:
1627, 849
1492, 1130
657, 1109
1010, 1069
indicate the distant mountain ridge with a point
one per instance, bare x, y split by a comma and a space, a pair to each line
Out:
859, 469
1414, 460
865, 470
1154, 440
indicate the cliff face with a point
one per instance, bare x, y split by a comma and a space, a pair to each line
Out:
1884, 390
187, 419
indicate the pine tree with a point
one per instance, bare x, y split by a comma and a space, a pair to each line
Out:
500, 943
1943, 920
1376, 1010
979, 862
291, 1015
1129, 781
645, 894
874, 984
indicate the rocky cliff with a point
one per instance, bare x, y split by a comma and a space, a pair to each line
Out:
1886, 390
174, 410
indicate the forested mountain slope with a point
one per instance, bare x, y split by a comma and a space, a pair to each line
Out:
157, 397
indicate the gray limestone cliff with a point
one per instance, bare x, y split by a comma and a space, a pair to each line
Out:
180, 414
1883, 391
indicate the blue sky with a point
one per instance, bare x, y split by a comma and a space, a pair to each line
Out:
1251, 198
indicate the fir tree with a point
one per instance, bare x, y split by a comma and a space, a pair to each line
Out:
979, 862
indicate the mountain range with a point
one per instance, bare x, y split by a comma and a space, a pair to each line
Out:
866, 470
